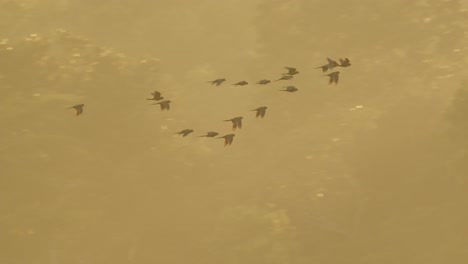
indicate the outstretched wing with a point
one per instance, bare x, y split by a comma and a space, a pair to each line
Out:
79, 110
331, 62
234, 125
239, 123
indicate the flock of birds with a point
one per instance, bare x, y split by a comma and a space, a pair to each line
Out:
260, 111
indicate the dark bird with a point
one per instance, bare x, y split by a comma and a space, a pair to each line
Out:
285, 77
78, 109
156, 96
324, 68
184, 132
228, 139
218, 82
263, 82
236, 122
290, 89
344, 63
331, 64
334, 76
165, 105
241, 83
260, 111
210, 134
291, 71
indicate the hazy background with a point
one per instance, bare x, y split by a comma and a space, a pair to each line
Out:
316, 181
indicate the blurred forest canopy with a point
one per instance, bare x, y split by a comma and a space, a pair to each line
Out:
318, 181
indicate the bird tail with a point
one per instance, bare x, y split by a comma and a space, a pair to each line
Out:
203, 136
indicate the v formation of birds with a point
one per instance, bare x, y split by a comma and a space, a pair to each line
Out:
259, 112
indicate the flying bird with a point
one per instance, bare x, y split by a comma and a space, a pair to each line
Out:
78, 109
184, 132
228, 139
334, 76
324, 67
260, 111
290, 89
241, 83
285, 77
344, 63
236, 122
210, 134
331, 64
263, 82
218, 82
165, 105
156, 96
291, 71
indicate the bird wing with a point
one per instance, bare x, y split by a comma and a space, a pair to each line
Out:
262, 114
239, 123
331, 62
336, 78
234, 125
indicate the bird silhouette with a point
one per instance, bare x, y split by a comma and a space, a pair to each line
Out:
210, 134
165, 105
331, 64
78, 109
291, 71
324, 68
260, 111
218, 82
241, 83
236, 122
344, 63
228, 139
334, 76
290, 89
184, 132
285, 77
156, 96
263, 82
